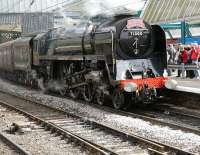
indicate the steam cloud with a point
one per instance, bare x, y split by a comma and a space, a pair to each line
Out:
111, 7
91, 8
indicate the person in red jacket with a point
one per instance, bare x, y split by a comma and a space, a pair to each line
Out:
198, 52
194, 58
184, 56
194, 55
198, 61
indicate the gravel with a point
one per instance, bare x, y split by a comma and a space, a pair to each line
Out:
176, 138
6, 150
35, 140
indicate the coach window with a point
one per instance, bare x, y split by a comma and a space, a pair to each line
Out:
52, 44
35, 45
27, 54
22, 55
42, 46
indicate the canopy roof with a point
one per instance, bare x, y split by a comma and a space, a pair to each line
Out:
10, 28
168, 11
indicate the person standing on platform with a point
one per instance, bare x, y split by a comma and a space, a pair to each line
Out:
171, 52
194, 58
198, 61
194, 55
198, 51
189, 50
185, 56
178, 56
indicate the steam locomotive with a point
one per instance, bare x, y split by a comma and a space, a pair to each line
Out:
121, 58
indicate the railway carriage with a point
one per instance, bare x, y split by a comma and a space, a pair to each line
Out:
6, 56
121, 58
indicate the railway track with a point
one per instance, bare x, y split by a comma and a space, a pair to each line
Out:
97, 138
32, 138
172, 118
17, 148
155, 119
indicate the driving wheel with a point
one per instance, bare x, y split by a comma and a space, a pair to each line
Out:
87, 93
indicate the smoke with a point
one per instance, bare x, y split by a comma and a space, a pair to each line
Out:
88, 9
68, 26
41, 85
64, 20
52, 85
68, 23
95, 7
55, 85
111, 7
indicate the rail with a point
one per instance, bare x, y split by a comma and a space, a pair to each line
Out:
14, 145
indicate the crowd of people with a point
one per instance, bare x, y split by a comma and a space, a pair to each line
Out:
184, 54
187, 54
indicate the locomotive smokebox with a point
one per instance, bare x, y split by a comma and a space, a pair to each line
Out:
135, 38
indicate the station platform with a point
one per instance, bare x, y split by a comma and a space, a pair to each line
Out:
183, 84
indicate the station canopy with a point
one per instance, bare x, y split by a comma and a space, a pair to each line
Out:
170, 11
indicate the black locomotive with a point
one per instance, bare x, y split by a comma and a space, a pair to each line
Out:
120, 57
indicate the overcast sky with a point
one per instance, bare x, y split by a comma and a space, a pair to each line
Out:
46, 5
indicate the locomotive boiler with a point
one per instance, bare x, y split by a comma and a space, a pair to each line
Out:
121, 58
